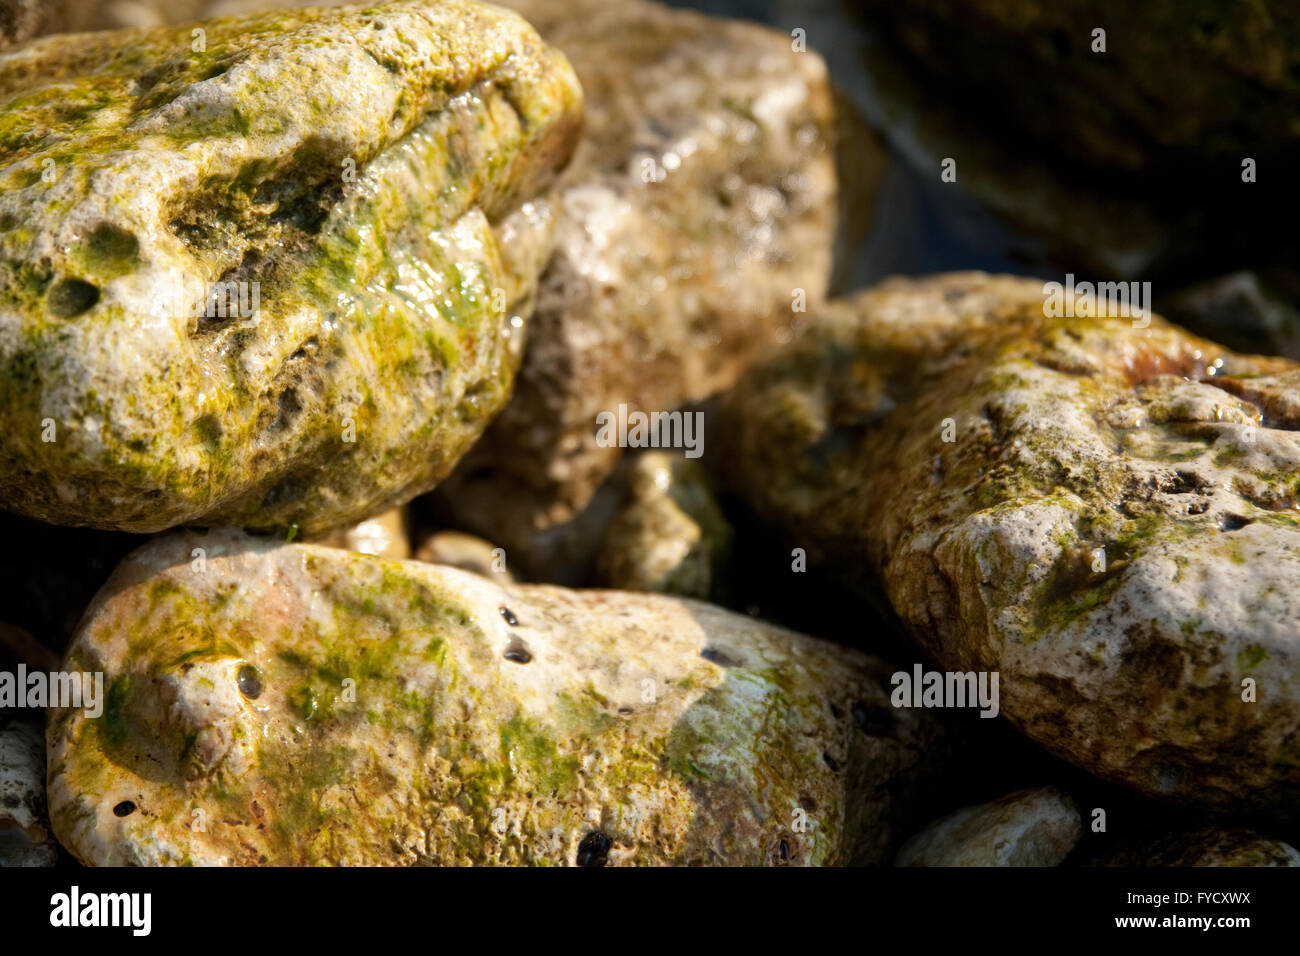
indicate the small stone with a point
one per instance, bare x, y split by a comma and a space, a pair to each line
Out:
1037, 827
465, 551
670, 535
384, 536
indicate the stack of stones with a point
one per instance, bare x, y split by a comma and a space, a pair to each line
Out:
270, 277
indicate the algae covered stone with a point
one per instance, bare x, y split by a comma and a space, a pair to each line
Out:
1103, 510
310, 705
259, 274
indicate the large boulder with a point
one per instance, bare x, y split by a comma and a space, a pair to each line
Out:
298, 704
271, 271
1102, 510
698, 212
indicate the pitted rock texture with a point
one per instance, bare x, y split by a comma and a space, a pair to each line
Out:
311, 705
701, 197
1027, 828
25, 838
272, 276
1103, 513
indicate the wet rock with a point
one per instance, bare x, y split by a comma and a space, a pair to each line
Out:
1209, 847
1103, 513
670, 535
24, 829
276, 282
459, 550
701, 196
1037, 827
310, 705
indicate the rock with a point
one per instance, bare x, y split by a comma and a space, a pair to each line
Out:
21, 20
658, 292
309, 705
383, 535
1102, 513
1036, 827
1209, 847
24, 829
459, 550
670, 535
356, 183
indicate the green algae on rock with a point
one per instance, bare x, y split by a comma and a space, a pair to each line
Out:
343, 179
297, 704
1104, 514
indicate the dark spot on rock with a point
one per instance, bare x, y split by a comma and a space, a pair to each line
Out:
112, 250
836, 712
68, 298
517, 652
718, 657
808, 803
124, 809
873, 720
11, 800
509, 616
250, 682
1233, 523
594, 849
784, 850
287, 409
209, 430
1183, 482
830, 761
625, 710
